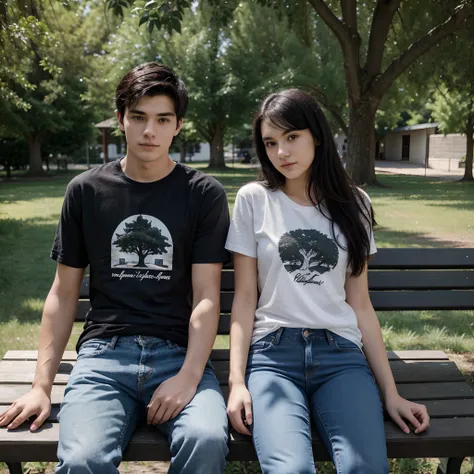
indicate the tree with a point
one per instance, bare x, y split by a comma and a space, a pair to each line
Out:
142, 238
51, 99
308, 252
452, 104
227, 67
454, 110
398, 35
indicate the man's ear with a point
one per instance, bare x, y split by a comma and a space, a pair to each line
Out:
120, 120
178, 127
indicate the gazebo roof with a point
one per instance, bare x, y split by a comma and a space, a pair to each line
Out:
108, 123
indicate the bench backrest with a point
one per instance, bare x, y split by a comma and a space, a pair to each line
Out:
399, 279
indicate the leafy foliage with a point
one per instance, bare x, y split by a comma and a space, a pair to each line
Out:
142, 238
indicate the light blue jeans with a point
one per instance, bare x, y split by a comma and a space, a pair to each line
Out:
107, 394
302, 378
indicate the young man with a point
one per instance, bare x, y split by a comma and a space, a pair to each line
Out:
153, 232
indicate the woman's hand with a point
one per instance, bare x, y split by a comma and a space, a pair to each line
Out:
239, 408
400, 409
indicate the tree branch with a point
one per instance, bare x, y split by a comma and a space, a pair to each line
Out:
321, 97
350, 45
381, 21
401, 64
330, 19
349, 14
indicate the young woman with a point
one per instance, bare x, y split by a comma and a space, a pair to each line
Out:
301, 237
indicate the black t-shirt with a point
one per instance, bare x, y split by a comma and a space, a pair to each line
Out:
140, 240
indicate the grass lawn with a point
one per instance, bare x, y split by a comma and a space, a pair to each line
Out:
411, 212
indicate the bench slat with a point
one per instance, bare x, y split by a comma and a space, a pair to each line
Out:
223, 354
422, 300
412, 391
9, 393
421, 280
436, 408
381, 300
423, 258
446, 437
403, 372
378, 280
406, 259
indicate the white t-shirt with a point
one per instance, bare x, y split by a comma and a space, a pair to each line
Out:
301, 269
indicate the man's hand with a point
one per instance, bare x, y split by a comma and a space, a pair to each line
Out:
170, 398
34, 403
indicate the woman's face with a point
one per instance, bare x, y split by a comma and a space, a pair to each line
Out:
291, 152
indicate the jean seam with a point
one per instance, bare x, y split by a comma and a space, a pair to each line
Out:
126, 424
329, 435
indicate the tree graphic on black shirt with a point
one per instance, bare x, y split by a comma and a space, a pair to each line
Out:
307, 251
142, 238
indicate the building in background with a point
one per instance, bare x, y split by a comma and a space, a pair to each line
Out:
423, 145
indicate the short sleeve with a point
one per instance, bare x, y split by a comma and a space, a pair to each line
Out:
212, 228
367, 204
241, 237
69, 245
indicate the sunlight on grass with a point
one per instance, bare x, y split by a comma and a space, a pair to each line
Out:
412, 212
33, 304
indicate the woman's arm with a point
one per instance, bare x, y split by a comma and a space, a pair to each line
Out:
241, 326
357, 296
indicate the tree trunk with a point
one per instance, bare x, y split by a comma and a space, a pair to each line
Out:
469, 149
217, 147
141, 260
35, 162
361, 142
182, 152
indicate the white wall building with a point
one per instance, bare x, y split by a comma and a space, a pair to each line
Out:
422, 144
411, 143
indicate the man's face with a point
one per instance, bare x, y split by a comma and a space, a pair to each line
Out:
149, 127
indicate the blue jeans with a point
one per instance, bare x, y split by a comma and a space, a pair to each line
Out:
298, 378
107, 394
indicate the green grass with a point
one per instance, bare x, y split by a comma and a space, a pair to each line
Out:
411, 212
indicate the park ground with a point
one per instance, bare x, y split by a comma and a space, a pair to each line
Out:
411, 211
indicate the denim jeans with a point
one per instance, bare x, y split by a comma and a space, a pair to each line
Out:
107, 394
301, 379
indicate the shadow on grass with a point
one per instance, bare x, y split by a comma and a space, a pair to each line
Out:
29, 190
26, 271
386, 237
454, 322
456, 195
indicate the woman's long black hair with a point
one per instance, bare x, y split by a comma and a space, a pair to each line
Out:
329, 185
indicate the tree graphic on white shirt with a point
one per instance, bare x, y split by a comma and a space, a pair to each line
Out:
308, 252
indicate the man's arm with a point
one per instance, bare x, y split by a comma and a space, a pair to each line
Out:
175, 393
56, 326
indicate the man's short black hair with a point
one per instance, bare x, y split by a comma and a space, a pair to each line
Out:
151, 79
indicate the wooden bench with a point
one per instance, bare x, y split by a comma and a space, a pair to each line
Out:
399, 279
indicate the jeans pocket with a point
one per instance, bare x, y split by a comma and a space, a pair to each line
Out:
344, 344
93, 348
262, 345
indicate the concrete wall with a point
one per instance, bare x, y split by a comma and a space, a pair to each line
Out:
394, 141
418, 147
446, 151
393, 146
